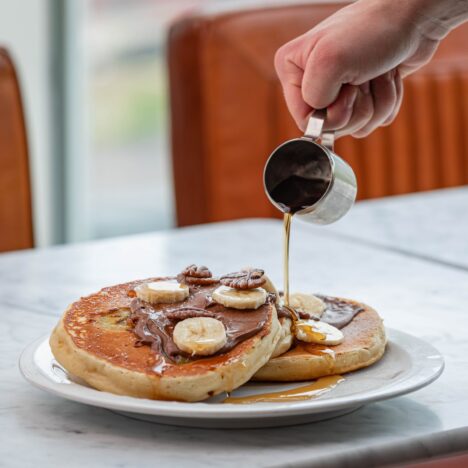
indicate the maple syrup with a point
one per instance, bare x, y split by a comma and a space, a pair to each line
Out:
304, 392
313, 334
287, 220
286, 235
296, 193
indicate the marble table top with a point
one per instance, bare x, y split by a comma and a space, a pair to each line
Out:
412, 294
431, 225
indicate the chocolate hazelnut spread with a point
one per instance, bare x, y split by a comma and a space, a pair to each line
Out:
154, 324
338, 312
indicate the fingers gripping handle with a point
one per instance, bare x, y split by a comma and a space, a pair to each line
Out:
315, 131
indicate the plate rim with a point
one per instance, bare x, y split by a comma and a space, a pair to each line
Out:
201, 410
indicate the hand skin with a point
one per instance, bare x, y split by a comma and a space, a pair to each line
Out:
353, 62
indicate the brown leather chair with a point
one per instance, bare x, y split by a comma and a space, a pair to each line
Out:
15, 197
459, 460
228, 114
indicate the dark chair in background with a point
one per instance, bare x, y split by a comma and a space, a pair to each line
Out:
16, 231
228, 114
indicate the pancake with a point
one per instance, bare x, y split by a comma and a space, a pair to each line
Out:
96, 341
364, 344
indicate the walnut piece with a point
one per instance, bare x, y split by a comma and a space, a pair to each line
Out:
244, 279
196, 275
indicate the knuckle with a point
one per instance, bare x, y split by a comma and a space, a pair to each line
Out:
281, 57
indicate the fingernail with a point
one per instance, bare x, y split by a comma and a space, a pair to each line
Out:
365, 87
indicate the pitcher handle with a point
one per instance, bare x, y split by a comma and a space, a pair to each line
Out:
315, 131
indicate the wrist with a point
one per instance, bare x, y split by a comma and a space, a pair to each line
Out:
436, 18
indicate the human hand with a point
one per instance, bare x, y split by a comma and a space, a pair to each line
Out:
353, 62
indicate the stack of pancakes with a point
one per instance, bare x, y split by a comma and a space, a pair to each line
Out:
118, 342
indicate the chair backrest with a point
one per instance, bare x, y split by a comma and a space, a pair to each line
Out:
228, 114
16, 230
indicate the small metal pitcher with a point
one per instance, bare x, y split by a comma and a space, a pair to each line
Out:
308, 179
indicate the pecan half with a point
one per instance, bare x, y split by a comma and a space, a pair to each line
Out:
183, 313
244, 279
197, 271
200, 281
196, 275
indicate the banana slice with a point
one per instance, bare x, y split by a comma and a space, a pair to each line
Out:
307, 303
268, 286
162, 292
202, 336
285, 342
240, 298
312, 331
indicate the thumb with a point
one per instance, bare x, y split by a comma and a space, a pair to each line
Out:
323, 76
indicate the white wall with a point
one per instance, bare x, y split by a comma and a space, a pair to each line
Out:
24, 31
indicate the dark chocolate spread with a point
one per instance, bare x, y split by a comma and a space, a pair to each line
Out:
284, 312
338, 312
154, 324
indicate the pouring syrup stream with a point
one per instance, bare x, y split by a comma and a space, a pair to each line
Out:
286, 234
287, 219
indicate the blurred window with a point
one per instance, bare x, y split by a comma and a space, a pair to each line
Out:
130, 180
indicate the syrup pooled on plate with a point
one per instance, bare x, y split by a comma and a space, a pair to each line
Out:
304, 392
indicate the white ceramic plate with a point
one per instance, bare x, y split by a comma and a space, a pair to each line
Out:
408, 365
